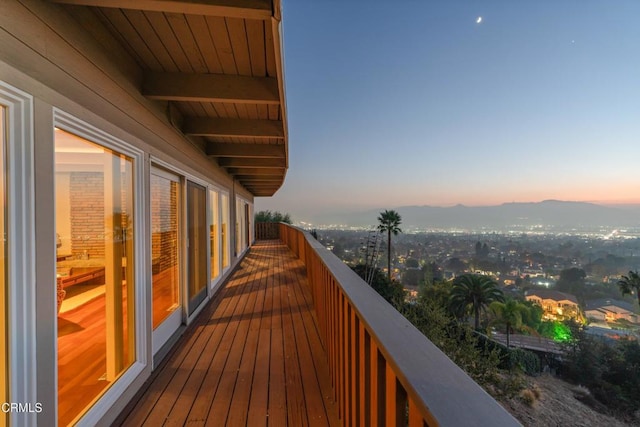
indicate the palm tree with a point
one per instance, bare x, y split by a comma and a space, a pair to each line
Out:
473, 293
509, 313
389, 221
630, 284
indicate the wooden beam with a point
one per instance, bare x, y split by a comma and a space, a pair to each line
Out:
265, 183
245, 150
263, 190
245, 9
256, 171
211, 88
261, 187
252, 163
203, 126
273, 175
262, 178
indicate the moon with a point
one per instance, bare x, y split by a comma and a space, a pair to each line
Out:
479, 20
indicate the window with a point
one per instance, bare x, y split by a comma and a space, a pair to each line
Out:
165, 245
214, 234
224, 230
17, 250
197, 262
95, 270
241, 225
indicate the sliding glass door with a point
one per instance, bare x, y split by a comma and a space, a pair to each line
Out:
214, 235
197, 240
224, 230
94, 193
165, 256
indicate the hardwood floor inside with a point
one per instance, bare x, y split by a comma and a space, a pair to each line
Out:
252, 358
82, 346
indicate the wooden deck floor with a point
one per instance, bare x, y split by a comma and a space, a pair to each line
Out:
252, 358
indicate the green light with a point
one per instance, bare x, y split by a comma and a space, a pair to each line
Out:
560, 332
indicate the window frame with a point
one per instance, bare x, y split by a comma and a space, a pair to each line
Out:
143, 327
20, 283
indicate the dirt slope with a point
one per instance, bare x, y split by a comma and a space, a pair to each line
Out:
558, 406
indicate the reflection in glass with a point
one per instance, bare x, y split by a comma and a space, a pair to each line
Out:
94, 235
213, 234
241, 226
196, 245
224, 231
164, 247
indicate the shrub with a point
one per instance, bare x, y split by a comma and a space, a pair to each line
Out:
525, 360
268, 216
513, 358
536, 391
528, 396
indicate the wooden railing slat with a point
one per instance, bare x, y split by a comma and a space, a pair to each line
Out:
363, 360
415, 417
355, 391
390, 412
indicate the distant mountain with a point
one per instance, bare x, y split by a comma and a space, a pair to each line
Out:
549, 213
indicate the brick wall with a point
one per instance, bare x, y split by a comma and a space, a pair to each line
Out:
164, 223
86, 195
86, 199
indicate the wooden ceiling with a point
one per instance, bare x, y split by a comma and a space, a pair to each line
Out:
219, 64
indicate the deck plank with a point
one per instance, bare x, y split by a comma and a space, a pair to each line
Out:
296, 405
252, 358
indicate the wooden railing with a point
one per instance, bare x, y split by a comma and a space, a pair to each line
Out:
384, 371
266, 230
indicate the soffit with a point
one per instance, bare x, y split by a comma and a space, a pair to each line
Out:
219, 64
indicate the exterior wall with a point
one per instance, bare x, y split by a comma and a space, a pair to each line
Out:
48, 54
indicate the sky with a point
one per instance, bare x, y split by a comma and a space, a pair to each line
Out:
414, 102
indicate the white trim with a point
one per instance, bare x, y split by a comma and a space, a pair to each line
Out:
83, 129
93, 416
21, 274
70, 123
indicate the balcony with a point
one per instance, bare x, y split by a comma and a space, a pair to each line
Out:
295, 338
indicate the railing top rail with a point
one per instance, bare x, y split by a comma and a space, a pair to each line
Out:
445, 394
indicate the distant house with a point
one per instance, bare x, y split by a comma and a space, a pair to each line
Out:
556, 305
610, 310
509, 280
